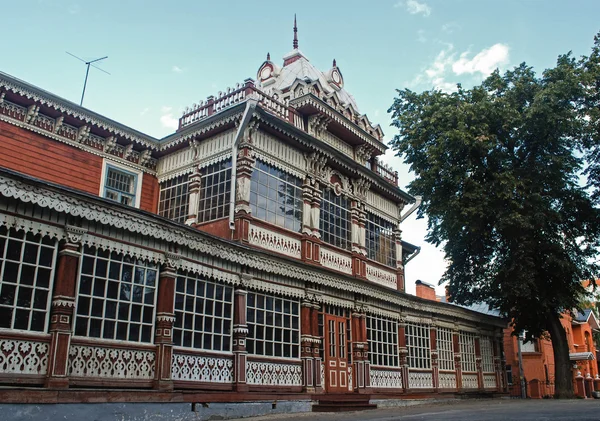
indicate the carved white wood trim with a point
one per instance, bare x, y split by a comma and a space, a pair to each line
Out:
381, 276
333, 260
337, 143
201, 369
277, 153
447, 380
420, 380
273, 374
469, 381
382, 207
489, 381
21, 356
274, 241
115, 363
34, 227
381, 378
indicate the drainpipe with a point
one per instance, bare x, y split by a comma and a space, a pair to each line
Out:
413, 208
412, 256
248, 111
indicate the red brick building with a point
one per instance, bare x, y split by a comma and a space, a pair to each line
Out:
256, 251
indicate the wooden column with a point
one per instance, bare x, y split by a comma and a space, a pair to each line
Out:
498, 361
435, 372
165, 318
195, 181
311, 213
399, 265
306, 346
478, 362
63, 307
316, 346
403, 353
360, 351
240, 333
358, 217
457, 357
245, 167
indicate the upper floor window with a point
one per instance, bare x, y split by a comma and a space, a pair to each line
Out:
467, 351
26, 272
418, 345
380, 242
276, 197
382, 335
335, 219
120, 185
214, 191
173, 200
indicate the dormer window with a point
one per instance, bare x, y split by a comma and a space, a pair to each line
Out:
120, 184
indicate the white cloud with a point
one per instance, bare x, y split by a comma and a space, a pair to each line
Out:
446, 64
450, 27
484, 62
414, 7
177, 69
168, 119
144, 111
421, 36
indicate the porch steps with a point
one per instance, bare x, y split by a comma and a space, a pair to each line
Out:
343, 403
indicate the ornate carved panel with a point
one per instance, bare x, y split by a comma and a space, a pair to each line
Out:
201, 369
337, 261
386, 379
420, 380
274, 374
447, 380
489, 381
274, 241
381, 276
115, 363
382, 207
23, 357
469, 381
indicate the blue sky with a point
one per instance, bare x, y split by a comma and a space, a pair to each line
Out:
164, 56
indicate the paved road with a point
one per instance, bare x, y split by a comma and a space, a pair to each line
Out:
474, 410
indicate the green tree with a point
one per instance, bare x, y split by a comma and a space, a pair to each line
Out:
499, 169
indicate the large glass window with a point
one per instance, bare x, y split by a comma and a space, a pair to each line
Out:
335, 219
26, 273
276, 197
382, 335
380, 242
273, 326
487, 354
418, 344
174, 198
116, 298
120, 185
203, 314
214, 191
467, 352
445, 348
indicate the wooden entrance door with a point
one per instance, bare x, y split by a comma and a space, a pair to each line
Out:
336, 354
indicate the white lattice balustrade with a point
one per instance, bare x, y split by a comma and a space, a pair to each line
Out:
447, 380
386, 379
489, 381
115, 363
23, 357
337, 261
420, 380
381, 276
274, 241
469, 381
201, 369
274, 374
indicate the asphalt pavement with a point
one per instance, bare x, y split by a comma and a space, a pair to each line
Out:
472, 410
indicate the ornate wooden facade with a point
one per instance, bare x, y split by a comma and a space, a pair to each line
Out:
256, 249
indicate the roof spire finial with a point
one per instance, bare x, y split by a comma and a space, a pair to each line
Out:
268, 56
295, 34
334, 63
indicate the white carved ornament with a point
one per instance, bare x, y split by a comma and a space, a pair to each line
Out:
201, 369
447, 380
23, 357
469, 381
273, 374
386, 379
420, 380
337, 261
94, 361
489, 381
381, 276
274, 241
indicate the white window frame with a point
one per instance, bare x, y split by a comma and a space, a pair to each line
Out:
487, 354
383, 352
178, 201
467, 352
137, 174
445, 349
418, 343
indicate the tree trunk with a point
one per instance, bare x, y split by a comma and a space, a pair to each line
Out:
563, 377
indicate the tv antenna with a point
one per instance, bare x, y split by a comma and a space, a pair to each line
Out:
88, 64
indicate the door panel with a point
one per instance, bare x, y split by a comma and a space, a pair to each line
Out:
336, 358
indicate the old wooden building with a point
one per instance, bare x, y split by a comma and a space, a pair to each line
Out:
256, 249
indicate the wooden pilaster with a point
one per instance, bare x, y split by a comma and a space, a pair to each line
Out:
245, 167
306, 346
403, 354
478, 362
63, 307
240, 333
457, 358
399, 265
195, 180
434, 357
360, 351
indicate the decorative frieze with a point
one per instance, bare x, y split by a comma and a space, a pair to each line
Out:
20, 356
381, 276
420, 380
337, 261
447, 380
196, 368
387, 379
489, 381
469, 381
274, 241
273, 374
93, 361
